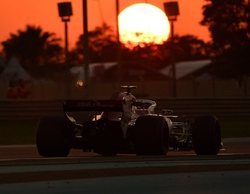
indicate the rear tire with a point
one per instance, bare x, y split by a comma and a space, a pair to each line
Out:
151, 135
53, 137
206, 135
108, 140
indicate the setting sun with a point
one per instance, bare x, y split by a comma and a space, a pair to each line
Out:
143, 23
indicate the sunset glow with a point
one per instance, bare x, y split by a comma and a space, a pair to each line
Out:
16, 14
143, 23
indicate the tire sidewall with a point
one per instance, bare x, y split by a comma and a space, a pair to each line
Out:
206, 135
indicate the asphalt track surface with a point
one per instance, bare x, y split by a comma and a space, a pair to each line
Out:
23, 170
21, 165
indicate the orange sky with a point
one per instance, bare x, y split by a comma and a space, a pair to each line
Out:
16, 14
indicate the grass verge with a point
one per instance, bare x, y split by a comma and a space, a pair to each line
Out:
235, 126
18, 132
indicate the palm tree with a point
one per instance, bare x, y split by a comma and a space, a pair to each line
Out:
33, 47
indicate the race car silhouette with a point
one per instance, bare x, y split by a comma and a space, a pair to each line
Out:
125, 124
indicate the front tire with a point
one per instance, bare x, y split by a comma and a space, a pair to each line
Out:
206, 135
151, 135
53, 137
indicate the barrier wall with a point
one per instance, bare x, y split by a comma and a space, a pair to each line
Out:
223, 107
49, 90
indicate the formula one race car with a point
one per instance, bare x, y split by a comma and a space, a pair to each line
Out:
125, 125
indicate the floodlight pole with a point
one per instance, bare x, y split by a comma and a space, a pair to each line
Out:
117, 21
65, 11
85, 42
67, 59
119, 72
172, 11
66, 43
173, 63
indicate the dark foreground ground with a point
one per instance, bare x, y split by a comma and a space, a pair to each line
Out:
22, 170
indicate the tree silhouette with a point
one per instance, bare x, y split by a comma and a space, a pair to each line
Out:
228, 22
187, 47
102, 45
33, 47
103, 48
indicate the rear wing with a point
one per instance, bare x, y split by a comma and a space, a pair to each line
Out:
93, 105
